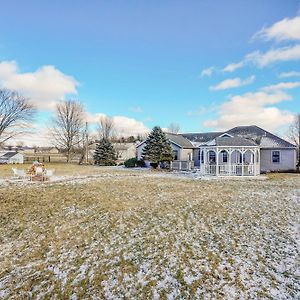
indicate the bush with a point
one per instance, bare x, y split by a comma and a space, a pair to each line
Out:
131, 162
141, 163
154, 165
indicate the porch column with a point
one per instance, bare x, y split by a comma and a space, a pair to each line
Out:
229, 161
255, 162
204, 159
217, 161
243, 153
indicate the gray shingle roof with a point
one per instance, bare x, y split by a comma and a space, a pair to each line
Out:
179, 140
201, 137
262, 137
234, 141
9, 154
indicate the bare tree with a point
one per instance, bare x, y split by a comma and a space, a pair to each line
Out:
106, 128
174, 128
68, 127
16, 114
294, 134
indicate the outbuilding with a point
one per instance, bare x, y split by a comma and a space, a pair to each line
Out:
11, 157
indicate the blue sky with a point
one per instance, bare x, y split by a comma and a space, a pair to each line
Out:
156, 62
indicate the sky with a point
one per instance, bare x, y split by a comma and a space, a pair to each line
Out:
206, 65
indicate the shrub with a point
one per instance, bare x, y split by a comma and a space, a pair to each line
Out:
141, 163
131, 162
154, 165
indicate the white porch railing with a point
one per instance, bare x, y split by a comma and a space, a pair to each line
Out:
182, 165
229, 170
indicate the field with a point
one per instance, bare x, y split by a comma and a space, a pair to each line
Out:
107, 233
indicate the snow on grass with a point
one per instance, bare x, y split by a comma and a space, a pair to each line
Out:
145, 235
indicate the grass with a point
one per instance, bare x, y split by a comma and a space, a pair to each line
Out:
143, 235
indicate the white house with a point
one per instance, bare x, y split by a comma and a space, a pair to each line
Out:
11, 157
240, 151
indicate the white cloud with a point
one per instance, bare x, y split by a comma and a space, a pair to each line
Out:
45, 86
253, 108
234, 66
289, 53
281, 86
232, 83
207, 72
124, 126
289, 74
274, 55
286, 29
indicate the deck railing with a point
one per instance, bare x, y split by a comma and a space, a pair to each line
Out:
229, 170
182, 165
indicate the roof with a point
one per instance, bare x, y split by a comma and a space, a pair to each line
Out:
260, 136
234, 141
124, 146
9, 154
201, 137
179, 140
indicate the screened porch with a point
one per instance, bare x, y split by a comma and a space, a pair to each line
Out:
229, 161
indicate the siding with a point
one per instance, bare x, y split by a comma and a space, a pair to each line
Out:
287, 160
182, 153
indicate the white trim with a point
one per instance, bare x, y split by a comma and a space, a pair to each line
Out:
225, 134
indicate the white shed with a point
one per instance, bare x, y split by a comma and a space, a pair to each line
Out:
11, 157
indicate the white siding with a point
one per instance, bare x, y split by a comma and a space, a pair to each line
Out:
287, 160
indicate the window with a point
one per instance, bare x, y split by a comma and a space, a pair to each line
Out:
276, 157
202, 157
224, 156
241, 158
212, 157
175, 154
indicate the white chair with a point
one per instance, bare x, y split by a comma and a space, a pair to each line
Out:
39, 171
15, 173
48, 174
19, 174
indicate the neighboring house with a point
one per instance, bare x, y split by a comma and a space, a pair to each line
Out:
11, 157
47, 150
125, 151
242, 150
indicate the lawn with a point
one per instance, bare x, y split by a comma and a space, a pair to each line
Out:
148, 235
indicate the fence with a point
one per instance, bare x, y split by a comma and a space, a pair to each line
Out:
182, 165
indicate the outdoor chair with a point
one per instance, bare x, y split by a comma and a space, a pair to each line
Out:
48, 174
19, 174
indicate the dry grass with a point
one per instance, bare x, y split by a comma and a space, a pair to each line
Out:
142, 235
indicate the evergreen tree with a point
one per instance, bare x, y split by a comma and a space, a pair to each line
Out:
105, 154
157, 148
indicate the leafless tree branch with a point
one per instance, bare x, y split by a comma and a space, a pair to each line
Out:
16, 114
68, 126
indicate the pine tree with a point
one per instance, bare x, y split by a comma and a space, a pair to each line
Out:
105, 154
157, 148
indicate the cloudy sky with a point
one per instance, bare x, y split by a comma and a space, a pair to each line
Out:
205, 64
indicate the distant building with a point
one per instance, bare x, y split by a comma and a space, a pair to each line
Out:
11, 157
125, 151
46, 150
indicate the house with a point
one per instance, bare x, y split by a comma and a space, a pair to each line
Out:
47, 150
11, 157
240, 151
125, 151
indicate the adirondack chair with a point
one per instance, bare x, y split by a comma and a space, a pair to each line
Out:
19, 174
48, 174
